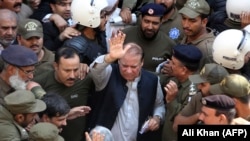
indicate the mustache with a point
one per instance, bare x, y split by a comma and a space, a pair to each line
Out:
71, 79
18, 4
185, 28
35, 46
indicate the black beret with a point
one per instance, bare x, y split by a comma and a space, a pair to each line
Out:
153, 9
19, 56
187, 54
218, 101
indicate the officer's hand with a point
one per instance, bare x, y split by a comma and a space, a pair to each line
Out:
83, 70
68, 33
167, 69
171, 91
126, 15
32, 84
245, 19
78, 112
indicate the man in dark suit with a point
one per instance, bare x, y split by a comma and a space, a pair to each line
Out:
53, 36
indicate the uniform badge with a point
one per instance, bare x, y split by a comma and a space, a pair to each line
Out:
194, 4
31, 26
150, 11
174, 33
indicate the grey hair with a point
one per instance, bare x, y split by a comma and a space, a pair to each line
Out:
103, 130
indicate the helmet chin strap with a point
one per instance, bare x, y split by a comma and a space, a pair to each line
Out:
242, 40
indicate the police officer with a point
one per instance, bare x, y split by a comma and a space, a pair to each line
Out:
18, 69
171, 22
217, 109
19, 110
210, 74
197, 12
45, 131
237, 87
30, 35
156, 45
185, 62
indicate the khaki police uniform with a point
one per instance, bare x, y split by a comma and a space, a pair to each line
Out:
10, 130
193, 9
18, 56
173, 108
46, 63
45, 131
190, 56
173, 27
205, 44
18, 102
157, 49
5, 89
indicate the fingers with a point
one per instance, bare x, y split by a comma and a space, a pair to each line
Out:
68, 33
83, 110
171, 91
126, 15
153, 124
245, 18
87, 136
96, 136
83, 70
117, 38
86, 108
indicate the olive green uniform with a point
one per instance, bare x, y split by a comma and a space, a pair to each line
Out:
10, 130
156, 51
205, 44
173, 27
75, 95
134, 5
173, 108
4, 90
193, 107
46, 62
129, 4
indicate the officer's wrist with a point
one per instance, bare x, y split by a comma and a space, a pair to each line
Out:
158, 118
38, 91
127, 8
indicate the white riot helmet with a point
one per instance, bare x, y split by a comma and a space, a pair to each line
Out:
230, 48
87, 12
235, 7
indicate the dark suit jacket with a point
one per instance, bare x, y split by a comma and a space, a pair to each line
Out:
42, 11
51, 36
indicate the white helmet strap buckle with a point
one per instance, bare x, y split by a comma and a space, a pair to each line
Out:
242, 42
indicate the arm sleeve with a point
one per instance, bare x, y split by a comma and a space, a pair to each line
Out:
100, 72
42, 11
38, 91
159, 107
129, 4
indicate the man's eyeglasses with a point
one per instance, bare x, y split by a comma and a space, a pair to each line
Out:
29, 72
